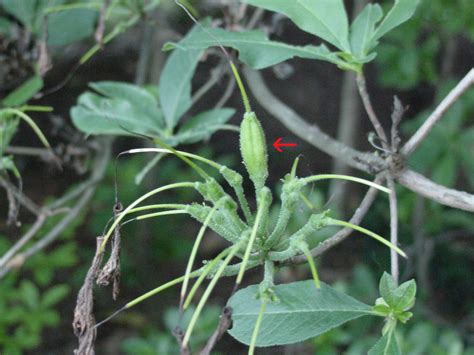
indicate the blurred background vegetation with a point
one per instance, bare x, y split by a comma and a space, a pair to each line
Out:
419, 62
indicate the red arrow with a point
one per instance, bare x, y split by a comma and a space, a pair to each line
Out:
277, 145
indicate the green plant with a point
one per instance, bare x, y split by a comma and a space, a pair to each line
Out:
314, 307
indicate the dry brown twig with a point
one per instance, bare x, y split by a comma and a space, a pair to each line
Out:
84, 319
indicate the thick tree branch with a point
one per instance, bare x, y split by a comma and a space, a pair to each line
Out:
438, 113
441, 194
363, 161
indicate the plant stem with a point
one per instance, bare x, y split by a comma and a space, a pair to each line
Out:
192, 257
206, 295
346, 177
256, 329
139, 200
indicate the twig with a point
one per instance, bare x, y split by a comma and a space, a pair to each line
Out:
24, 200
393, 228
362, 86
23, 240
224, 324
356, 219
216, 74
84, 319
441, 194
438, 113
227, 93
98, 171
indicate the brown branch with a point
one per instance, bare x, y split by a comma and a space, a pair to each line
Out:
441, 194
24, 239
438, 113
363, 161
98, 171
394, 269
224, 324
362, 87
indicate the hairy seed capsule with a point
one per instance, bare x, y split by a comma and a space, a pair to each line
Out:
253, 148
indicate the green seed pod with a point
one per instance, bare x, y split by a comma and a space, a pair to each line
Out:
253, 148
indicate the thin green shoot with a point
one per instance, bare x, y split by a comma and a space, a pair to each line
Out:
145, 296
30, 122
59, 8
207, 293
158, 206
304, 248
294, 167
163, 287
175, 152
253, 235
241, 86
336, 222
35, 108
205, 271
199, 170
192, 257
135, 203
153, 215
346, 177
256, 329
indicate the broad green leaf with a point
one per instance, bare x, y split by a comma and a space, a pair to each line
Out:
23, 10
399, 298
255, 49
203, 125
138, 97
363, 28
386, 345
387, 288
400, 12
8, 127
95, 114
326, 19
175, 83
68, 26
405, 296
24, 92
302, 312
54, 295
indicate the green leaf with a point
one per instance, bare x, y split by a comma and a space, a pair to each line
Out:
54, 295
399, 298
401, 12
363, 28
203, 125
29, 294
303, 312
126, 109
24, 92
69, 26
175, 83
23, 10
326, 19
386, 345
255, 49
387, 288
